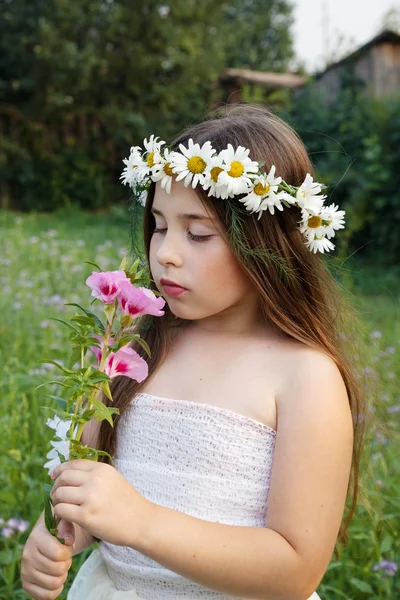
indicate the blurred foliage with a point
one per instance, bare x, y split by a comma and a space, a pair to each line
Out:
83, 80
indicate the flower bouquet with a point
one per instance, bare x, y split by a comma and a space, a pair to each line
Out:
123, 300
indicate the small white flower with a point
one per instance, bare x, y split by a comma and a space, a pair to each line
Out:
307, 195
212, 176
162, 171
153, 149
324, 223
62, 446
320, 244
334, 219
192, 163
136, 168
264, 194
238, 169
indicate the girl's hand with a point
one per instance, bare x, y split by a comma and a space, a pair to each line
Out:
99, 499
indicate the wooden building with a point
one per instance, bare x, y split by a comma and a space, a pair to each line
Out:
376, 63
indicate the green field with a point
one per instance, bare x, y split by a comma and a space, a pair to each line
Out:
42, 267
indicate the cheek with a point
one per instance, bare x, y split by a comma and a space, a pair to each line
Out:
221, 274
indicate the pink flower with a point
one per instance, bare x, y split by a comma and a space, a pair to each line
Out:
138, 301
106, 285
126, 361
97, 351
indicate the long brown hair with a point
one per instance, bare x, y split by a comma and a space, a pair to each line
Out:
308, 305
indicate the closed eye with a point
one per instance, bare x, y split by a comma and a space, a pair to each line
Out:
195, 238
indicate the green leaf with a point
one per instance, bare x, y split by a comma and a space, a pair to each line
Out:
99, 324
109, 311
103, 411
386, 544
62, 403
86, 321
75, 356
59, 412
123, 263
363, 586
49, 518
97, 376
142, 343
65, 323
53, 362
93, 264
105, 386
52, 382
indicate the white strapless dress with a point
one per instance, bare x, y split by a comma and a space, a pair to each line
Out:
201, 459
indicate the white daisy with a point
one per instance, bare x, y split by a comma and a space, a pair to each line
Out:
270, 203
333, 218
264, 187
211, 180
307, 195
153, 149
324, 223
238, 168
192, 162
320, 244
162, 171
136, 168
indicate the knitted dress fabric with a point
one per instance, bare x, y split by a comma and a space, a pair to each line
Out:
203, 460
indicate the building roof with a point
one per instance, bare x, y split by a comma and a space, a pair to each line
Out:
288, 80
387, 35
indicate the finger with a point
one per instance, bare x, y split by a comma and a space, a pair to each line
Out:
81, 464
48, 582
50, 547
37, 592
69, 477
70, 512
51, 567
70, 495
66, 530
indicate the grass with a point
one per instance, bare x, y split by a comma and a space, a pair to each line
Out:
42, 266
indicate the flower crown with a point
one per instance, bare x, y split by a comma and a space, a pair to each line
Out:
230, 173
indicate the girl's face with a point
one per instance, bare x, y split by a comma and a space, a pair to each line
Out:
188, 249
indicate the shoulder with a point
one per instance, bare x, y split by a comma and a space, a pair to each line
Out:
312, 458
311, 381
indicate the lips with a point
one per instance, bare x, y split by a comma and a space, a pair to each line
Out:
170, 283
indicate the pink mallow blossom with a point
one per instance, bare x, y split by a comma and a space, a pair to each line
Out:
98, 352
106, 285
139, 301
126, 361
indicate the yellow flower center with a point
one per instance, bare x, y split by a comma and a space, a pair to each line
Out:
167, 169
150, 159
196, 164
237, 169
215, 171
261, 189
314, 222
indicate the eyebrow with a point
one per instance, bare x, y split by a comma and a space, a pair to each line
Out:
183, 216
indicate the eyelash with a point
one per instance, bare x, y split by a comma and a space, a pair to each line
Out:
195, 238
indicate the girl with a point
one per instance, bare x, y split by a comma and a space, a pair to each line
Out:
233, 460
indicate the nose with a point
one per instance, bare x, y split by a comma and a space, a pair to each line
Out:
169, 250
